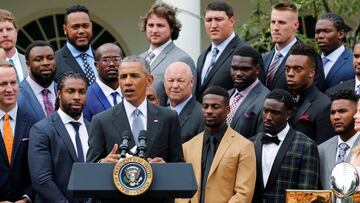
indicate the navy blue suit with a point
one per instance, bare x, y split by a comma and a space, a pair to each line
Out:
342, 70
27, 99
96, 101
51, 157
15, 179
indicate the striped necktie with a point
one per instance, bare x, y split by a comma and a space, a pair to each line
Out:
273, 68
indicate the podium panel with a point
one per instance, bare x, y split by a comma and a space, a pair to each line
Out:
170, 180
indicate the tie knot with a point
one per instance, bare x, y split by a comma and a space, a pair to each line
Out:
343, 146
10, 61
214, 51
83, 56
75, 124
270, 139
114, 94
45, 92
137, 112
325, 60
278, 55
150, 56
6, 117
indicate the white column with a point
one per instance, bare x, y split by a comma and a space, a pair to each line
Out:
189, 15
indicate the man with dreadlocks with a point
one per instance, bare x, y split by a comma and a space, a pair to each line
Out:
330, 34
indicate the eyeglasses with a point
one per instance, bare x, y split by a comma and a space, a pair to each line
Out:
114, 59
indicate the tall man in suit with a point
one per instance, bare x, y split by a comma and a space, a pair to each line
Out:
223, 160
162, 28
330, 31
37, 93
105, 91
15, 183
338, 148
283, 27
213, 64
57, 141
178, 84
77, 55
285, 158
247, 98
312, 107
8, 38
134, 114
354, 83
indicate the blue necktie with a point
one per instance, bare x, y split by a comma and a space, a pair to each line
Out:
137, 125
76, 126
114, 96
10, 61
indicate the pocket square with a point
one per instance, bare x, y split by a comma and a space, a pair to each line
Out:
25, 139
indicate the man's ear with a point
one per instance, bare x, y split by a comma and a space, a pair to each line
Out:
150, 80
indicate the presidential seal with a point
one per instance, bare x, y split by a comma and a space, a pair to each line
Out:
132, 176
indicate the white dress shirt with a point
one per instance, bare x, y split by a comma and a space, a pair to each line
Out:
84, 136
269, 152
107, 92
178, 108
158, 50
16, 60
12, 113
129, 108
350, 142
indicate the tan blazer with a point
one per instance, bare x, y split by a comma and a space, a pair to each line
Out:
233, 171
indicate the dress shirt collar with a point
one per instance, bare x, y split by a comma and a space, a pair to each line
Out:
333, 56
76, 53
159, 49
67, 119
284, 51
223, 44
350, 142
12, 113
15, 57
282, 134
106, 89
218, 135
129, 108
38, 88
247, 90
178, 108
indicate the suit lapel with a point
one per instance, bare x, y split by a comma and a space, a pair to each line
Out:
185, 114
331, 155
161, 56
30, 96
223, 146
69, 59
3, 153
258, 153
153, 125
20, 127
197, 157
275, 169
337, 66
121, 123
63, 134
101, 96
309, 97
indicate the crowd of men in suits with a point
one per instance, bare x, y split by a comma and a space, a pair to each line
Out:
251, 125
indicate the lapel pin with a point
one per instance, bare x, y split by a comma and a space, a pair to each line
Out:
155, 121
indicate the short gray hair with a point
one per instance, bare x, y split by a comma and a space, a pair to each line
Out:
139, 59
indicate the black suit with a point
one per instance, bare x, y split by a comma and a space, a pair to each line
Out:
312, 116
296, 166
349, 84
219, 75
279, 80
15, 178
65, 62
163, 133
191, 120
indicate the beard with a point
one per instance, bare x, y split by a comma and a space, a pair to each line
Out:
74, 113
43, 80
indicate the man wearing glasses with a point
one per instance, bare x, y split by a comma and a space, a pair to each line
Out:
105, 91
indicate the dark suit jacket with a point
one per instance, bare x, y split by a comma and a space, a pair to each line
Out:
296, 166
65, 62
51, 157
191, 120
15, 178
163, 133
279, 81
170, 54
29, 102
219, 75
96, 101
248, 119
349, 84
342, 70
313, 116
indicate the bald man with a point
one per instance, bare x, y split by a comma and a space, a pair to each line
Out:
178, 82
105, 91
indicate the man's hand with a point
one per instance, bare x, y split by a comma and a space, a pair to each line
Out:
112, 157
156, 160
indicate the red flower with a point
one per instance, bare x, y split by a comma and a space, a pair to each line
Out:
305, 117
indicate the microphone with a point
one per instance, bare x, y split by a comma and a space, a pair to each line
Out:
142, 144
124, 147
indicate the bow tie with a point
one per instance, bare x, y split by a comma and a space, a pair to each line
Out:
270, 139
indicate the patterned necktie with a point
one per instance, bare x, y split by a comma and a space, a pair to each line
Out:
149, 57
48, 106
11, 62
343, 147
114, 96
273, 68
89, 73
214, 53
137, 124
209, 159
233, 107
8, 136
358, 89
80, 152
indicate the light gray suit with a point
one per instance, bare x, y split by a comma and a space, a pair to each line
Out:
170, 54
327, 153
248, 119
24, 67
